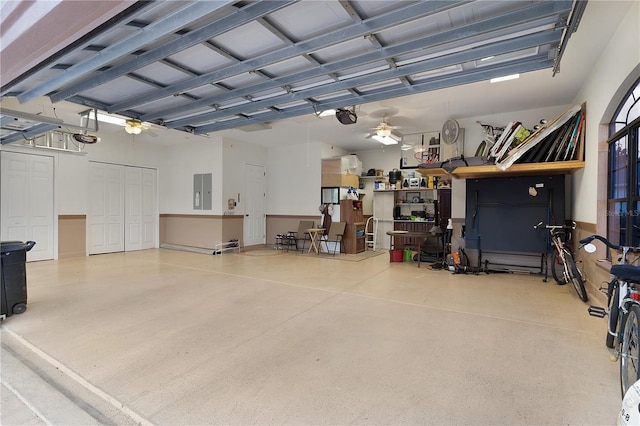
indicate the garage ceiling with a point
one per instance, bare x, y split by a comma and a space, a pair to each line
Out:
208, 66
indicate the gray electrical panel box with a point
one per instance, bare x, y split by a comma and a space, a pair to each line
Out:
202, 187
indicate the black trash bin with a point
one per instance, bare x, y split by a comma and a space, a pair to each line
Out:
14, 276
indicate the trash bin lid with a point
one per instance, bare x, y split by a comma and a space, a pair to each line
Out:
10, 246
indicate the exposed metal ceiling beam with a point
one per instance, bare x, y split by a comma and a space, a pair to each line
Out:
538, 15
219, 26
522, 66
375, 24
36, 130
128, 44
498, 48
574, 20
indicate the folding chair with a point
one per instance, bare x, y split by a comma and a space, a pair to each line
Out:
336, 232
301, 234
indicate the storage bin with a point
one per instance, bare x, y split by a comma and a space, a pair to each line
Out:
395, 255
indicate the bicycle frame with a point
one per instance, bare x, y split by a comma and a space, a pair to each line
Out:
558, 244
623, 325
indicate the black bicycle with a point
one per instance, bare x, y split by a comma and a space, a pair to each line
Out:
563, 265
623, 301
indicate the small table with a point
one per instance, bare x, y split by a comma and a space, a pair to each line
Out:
418, 236
313, 234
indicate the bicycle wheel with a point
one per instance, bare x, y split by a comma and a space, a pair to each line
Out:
576, 277
629, 373
557, 268
614, 312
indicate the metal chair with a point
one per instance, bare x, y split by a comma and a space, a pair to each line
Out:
336, 232
371, 236
301, 234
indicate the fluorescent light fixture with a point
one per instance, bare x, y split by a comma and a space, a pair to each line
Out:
111, 119
387, 140
505, 78
487, 58
327, 113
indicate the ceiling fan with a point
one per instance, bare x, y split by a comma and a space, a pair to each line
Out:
384, 129
135, 127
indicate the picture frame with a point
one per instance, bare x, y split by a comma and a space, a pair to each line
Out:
411, 196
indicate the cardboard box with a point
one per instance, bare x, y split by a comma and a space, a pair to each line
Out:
333, 179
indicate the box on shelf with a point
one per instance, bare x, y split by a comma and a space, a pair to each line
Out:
333, 179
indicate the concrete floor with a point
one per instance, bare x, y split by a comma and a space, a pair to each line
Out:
266, 337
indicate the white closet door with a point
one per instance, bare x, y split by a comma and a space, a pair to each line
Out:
105, 215
149, 215
133, 209
27, 202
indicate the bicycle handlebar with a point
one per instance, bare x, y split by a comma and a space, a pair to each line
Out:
552, 227
608, 243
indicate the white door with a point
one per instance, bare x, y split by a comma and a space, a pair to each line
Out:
133, 209
254, 210
149, 215
27, 202
105, 215
140, 208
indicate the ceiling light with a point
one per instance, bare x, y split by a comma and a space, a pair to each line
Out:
132, 130
387, 140
384, 132
505, 78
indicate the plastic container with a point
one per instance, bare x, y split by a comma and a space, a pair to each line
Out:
14, 276
408, 255
395, 255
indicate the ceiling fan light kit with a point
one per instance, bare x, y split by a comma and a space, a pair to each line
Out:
133, 127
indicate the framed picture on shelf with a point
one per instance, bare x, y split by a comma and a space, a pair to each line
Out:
419, 148
412, 197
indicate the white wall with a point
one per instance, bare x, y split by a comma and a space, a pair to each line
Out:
183, 160
616, 69
294, 179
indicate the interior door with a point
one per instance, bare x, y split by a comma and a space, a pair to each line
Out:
27, 211
105, 215
255, 210
133, 209
149, 215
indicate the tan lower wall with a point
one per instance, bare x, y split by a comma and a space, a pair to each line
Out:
595, 272
281, 224
72, 236
203, 231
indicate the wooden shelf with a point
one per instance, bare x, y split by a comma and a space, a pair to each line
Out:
490, 170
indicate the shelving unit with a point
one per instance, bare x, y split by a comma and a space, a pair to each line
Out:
395, 215
351, 215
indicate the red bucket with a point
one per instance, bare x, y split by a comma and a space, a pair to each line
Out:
395, 255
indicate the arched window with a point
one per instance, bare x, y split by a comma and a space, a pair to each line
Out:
623, 198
